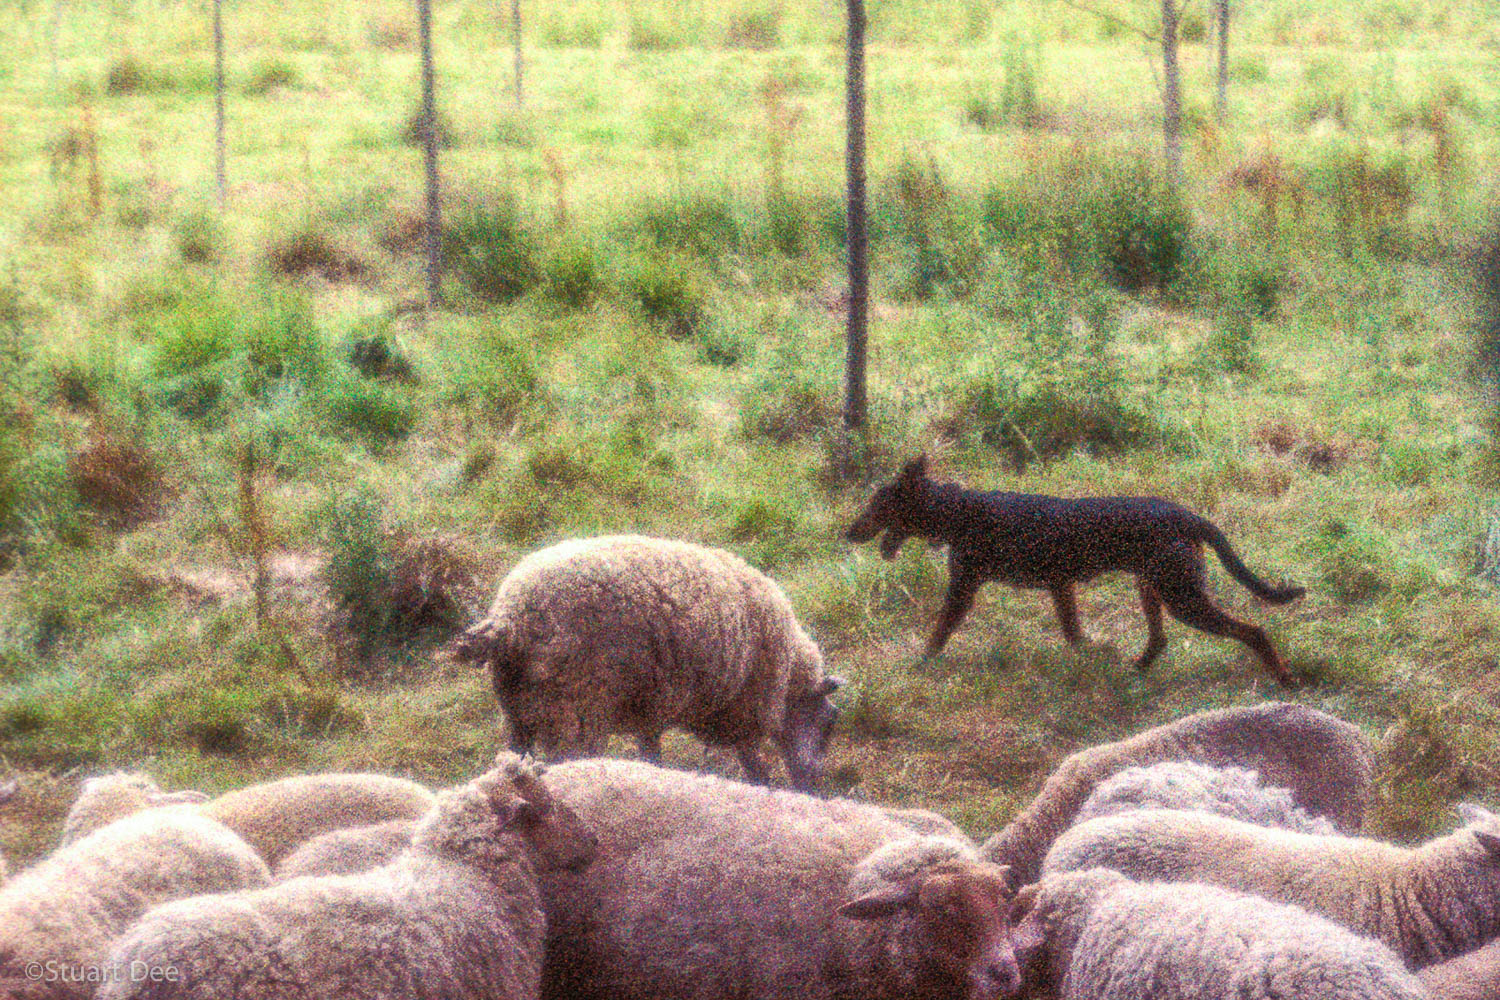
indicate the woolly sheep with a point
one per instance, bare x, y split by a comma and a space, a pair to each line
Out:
706, 888
274, 817
457, 916
1226, 791
1428, 903
637, 635
7, 792
1472, 976
348, 852
61, 915
1326, 763
1095, 935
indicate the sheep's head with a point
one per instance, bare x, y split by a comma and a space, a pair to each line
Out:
810, 719
1049, 916
110, 797
521, 800
1485, 826
951, 924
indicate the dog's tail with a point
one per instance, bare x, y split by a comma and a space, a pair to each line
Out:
1209, 533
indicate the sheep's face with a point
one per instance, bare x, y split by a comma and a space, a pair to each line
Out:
958, 926
894, 509
809, 726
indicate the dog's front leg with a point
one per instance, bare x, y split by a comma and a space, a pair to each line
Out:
961, 590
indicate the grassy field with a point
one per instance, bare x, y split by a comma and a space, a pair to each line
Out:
644, 333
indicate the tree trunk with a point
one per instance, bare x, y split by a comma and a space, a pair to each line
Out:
858, 244
1171, 92
515, 34
1221, 96
430, 156
220, 128
53, 31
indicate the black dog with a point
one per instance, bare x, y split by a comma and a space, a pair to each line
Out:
1051, 543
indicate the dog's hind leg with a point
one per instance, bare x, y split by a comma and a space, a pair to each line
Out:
1156, 639
961, 590
1191, 606
1066, 603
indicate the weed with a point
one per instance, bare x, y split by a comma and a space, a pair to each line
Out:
669, 292
118, 479
491, 250
378, 355
130, 75
571, 274
310, 250
376, 412
758, 29
200, 238
1141, 228
269, 75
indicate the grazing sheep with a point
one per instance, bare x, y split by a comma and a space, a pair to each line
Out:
457, 916
1326, 763
348, 852
1095, 935
1428, 903
706, 888
637, 635
59, 917
1225, 791
274, 817
1471, 976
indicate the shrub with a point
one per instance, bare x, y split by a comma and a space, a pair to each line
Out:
790, 403
413, 130
494, 377
269, 75
703, 223
651, 34
1231, 344
309, 250
283, 343
669, 292
490, 249
754, 29
572, 274
129, 75
378, 414
196, 333
117, 478
199, 237
378, 355
1141, 230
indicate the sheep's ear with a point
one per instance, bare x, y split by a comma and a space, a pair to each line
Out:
1470, 813
915, 469
1024, 901
881, 903
175, 798
1490, 842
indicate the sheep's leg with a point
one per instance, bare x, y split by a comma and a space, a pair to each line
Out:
1066, 603
961, 590
522, 737
650, 744
1156, 639
754, 764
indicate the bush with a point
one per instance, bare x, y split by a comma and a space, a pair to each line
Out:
377, 355
269, 75
117, 478
495, 378
309, 250
412, 131
490, 249
702, 223
199, 237
378, 414
129, 75
755, 29
572, 274
1141, 228
669, 292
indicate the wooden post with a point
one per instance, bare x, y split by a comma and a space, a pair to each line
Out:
857, 330
430, 156
220, 127
1171, 92
1221, 95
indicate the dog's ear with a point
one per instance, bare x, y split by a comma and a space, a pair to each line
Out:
915, 470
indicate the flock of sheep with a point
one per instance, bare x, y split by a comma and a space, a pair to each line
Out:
1211, 858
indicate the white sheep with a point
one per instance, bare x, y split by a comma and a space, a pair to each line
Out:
457, 916
638, 635
1326, 763
1226, 791
1096, 935
1474, 975
706, 889
58, 918
1427, 903
348, 852
275, 817
7, 792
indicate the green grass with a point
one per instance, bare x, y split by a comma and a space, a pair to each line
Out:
643, 332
